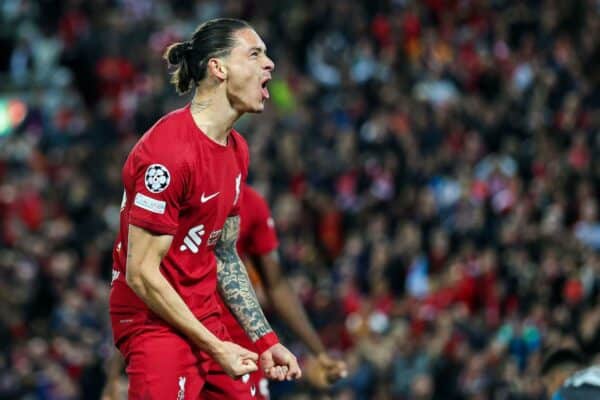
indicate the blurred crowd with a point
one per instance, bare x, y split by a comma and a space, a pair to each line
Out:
431, 166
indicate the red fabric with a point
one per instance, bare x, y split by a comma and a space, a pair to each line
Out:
573, 291
257, 228
382, 30
298, 184
330, 232
411, 26
31, 210
384, 303
579, 157
205, 181
259, 385
71, 26
266, 342
163, 365
465, 291
488, 292
351, 301
442, 6
437, 260
115, 74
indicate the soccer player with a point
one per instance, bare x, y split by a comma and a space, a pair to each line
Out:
258, 244
179, 225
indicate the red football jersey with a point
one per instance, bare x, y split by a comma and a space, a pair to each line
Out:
257, 229
179, 182
257, 237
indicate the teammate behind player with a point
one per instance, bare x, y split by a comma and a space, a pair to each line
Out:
258, 243
179, 225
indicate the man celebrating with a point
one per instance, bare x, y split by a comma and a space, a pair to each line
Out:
179, 225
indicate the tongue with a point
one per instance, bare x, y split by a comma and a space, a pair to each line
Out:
265, 92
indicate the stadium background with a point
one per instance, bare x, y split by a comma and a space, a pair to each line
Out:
432, 167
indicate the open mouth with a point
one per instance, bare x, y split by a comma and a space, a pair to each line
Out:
263, 87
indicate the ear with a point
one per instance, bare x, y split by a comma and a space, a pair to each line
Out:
217, 68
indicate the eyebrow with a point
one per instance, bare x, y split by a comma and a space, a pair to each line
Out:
259, 48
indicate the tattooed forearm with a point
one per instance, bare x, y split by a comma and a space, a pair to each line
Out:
234, 284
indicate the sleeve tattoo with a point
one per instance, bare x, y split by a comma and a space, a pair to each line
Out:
234, 285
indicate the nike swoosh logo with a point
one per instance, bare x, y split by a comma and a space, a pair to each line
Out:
204, 199
252, 391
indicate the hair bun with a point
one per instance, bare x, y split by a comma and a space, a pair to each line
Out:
176, 53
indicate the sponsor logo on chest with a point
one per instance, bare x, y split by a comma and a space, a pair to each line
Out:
195, 237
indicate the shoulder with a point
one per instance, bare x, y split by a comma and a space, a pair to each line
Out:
165, 145
240, 146
250, 195
170, 127
254, 201
239, 143
167, 138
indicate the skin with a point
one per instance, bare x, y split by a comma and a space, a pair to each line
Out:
233, 86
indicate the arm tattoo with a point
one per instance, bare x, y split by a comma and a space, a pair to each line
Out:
234, 284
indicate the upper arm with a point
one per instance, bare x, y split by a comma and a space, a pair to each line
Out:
260, 235
263, 236
157, 182
145, 251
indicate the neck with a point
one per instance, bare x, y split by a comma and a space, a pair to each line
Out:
213, 113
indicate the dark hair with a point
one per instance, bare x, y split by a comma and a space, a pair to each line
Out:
561, 358
213, 38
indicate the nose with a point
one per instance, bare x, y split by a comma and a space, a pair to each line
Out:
269, 64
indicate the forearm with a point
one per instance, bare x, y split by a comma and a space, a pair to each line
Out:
291, 311
114, 366
145, 252
238, 294
234, 284
160, 297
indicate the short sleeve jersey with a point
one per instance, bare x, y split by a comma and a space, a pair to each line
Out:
257, 237
178, 182
257, 229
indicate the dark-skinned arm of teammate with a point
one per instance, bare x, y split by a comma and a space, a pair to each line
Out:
290, 310
238, 294
113, 369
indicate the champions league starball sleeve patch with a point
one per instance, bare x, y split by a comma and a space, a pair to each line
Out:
157, 178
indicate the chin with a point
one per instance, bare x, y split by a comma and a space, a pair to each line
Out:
257, 108
251, 107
